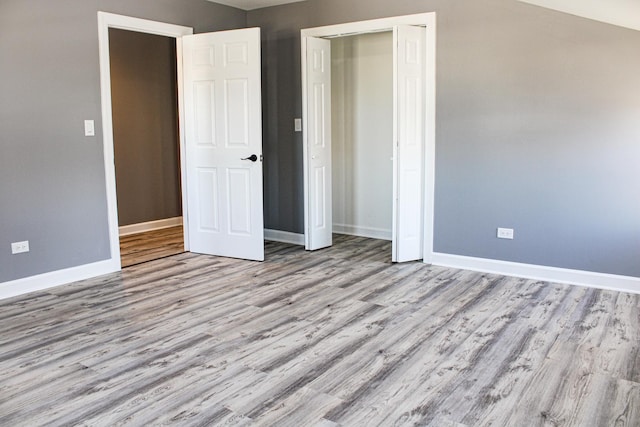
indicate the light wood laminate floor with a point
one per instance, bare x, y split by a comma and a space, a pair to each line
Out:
150, 245
336, 337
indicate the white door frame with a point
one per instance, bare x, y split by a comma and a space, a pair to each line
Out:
428, 20
110, 20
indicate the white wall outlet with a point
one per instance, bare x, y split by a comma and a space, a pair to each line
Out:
89, 128
297, 125
20, 247
505, 233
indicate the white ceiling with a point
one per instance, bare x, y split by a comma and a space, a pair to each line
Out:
253, 4
625, 13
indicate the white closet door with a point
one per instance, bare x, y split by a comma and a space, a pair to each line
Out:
223, 129
318, 150
409, 53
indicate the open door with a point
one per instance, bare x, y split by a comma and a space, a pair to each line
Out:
223, 140
317, 84
408, 175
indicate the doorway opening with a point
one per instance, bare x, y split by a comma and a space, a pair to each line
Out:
362, 135
144, 97
132, 222
409, 112
219, 132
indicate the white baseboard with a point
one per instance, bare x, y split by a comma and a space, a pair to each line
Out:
55, 278
529, 271
141, 227
538, 272
370, 232
284, 237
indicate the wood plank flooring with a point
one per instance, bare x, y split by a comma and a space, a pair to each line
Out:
338, 337
150, 245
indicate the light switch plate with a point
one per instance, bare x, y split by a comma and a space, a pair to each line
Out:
89, 128
297, 125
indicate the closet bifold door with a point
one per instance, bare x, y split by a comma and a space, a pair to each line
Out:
318, 148
408, 159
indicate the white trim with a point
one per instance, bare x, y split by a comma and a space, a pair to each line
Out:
182, 143
370, 26
370, 232
429, 139
55, 278
106, 21
538, 272
375, 25
111, 20
394, 147
284, 237
141, 227
305, 150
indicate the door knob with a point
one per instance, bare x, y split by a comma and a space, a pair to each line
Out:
252, 157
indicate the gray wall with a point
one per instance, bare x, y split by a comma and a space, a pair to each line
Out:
52, 185
144, 98
537, 128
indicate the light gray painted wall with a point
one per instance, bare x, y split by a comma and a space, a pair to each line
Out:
144, 101
537, 128
52, 185
362, 132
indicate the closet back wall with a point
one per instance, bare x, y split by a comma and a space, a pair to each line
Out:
362, 133
145, 126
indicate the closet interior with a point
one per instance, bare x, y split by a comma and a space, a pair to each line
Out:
362, 134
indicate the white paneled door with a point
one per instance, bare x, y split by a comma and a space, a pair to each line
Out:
409, 95
223, 139
318, 205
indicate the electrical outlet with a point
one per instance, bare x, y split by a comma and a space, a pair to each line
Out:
505, 233
20, 247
